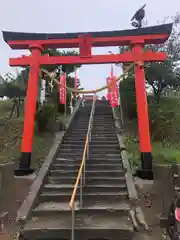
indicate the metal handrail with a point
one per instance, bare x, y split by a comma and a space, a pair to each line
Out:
81, 177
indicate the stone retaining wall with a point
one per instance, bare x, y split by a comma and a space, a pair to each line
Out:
163, 185
7, 188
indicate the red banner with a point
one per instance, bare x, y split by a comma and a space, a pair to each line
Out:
113, 91
113, 95
116, 93
62, 90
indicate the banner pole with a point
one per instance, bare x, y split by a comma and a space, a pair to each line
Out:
71, 106
65, 106
120, 102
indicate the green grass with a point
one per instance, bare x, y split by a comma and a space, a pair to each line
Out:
11, 135
10, 142
162, 153
166, 151
5, 108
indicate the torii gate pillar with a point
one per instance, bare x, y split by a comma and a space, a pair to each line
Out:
30, 111
146, 171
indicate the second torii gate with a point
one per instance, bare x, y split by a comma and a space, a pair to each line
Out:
136, 38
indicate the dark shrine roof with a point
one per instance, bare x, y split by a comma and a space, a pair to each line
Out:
159, 29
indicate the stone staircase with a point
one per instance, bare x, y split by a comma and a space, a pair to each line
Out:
107, 183
106, 203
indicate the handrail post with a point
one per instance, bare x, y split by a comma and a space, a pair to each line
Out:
90, 132
81, 192
73, 222
87, 149
84, 174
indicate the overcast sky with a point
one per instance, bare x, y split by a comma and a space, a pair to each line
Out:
74, 16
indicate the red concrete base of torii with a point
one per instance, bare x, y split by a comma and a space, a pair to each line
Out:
136, 38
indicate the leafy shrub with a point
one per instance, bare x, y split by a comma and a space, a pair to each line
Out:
44, 115
161, 122
128, 97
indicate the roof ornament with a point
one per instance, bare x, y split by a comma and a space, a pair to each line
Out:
138, 17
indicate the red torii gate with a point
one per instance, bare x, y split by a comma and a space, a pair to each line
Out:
37, 42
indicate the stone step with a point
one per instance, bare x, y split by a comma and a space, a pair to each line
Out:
103, 180
97, 160
75, 137
103, 137
105, 161
106, 123
91, 145
104, 142
94, 188
98, 137
71, 153
103, 129
58, 188
94, 131
92, 180
93, 196
103, 122
64, 153
98, 225
73, 147
74, 141
67, 166
68, 160
78, 127
103, 114
55, 208
102, 126
102, 132
105, 155
100, 188
62, 179
77, 130
74, 133
102, 119
72, 138
69, 173
81, 119
89, 173
101, 145
94, 141
80, 122
105, 150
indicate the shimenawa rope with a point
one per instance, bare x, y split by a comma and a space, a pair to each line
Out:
52, 78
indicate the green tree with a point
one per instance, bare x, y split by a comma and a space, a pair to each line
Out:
161, 76
164, 75
22, 77
128, 96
